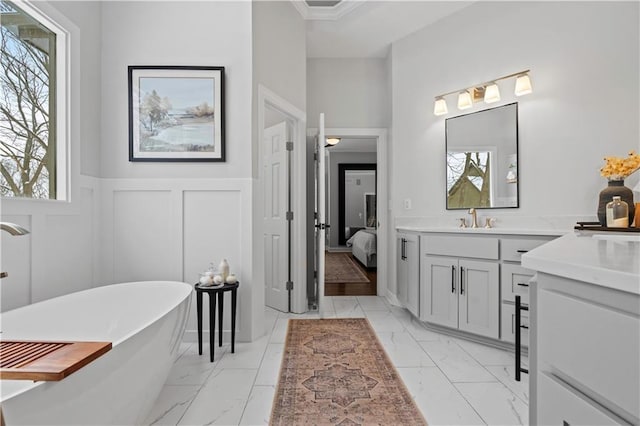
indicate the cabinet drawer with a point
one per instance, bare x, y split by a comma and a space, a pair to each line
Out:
508, 325
515, 281
460, 246
513, 248
575, 336
558, 404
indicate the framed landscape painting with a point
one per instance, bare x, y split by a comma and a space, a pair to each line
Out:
176, 113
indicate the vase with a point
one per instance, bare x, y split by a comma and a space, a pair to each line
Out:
223, 269
615, 188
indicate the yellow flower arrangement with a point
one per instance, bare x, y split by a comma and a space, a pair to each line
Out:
617, 168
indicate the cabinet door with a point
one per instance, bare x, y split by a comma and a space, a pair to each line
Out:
439, 290
479, 302
401, 270
412, 263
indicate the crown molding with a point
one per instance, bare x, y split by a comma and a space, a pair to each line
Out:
320, 13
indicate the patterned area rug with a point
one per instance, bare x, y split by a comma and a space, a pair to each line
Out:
342, 268
335, 372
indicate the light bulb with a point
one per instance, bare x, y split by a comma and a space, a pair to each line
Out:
523, 85
440, 107
464, 100
491, 93
333, 141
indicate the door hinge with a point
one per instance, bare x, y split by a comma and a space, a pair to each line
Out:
315, 274
322, 226
315, 215
289, 146
289, 285
289, 216
315, 156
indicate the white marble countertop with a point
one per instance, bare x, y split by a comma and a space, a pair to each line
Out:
482, 230
607, 259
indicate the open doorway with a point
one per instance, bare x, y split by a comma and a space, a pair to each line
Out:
351, 255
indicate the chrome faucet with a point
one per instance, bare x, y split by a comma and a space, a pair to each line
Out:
12, 229
474, 218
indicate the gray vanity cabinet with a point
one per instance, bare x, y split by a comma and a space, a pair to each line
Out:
585, 353
408, 271
457, 292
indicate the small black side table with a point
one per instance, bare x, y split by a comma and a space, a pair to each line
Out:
219, 291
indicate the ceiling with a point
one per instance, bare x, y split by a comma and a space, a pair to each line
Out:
366, 29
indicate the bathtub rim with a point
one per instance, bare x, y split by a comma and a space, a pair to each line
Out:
18, 387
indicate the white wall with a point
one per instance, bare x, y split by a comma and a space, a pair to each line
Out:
145, 221
170, 220
279, 66
86, 15
60, 253
176, 33
584, 61
353, 93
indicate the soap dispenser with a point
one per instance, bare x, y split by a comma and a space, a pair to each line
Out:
617, 213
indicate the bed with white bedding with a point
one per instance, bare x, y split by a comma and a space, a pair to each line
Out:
363, 247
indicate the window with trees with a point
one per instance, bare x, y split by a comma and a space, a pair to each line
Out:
28, 152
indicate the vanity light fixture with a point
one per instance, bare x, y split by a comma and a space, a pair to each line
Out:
523, 85
464, 100
440, 108
492, 93
487, 92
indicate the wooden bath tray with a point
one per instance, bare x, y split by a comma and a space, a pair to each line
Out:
46, 361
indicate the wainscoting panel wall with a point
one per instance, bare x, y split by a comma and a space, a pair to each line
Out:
143, 237
59, 255
122, 230
15, 259
212, 230
69, 263
172, 229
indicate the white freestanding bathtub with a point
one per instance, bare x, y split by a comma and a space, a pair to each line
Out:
145, 322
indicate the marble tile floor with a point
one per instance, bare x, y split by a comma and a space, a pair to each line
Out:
453, 381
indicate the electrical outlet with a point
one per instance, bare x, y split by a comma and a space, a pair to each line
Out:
407, 203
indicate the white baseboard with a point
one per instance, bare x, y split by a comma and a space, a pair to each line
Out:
393, 299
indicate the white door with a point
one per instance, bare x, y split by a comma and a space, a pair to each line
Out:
275, 193
321, 221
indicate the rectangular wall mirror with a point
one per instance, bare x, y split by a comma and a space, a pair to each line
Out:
482, 159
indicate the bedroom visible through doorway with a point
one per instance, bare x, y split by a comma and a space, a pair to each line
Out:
351, 209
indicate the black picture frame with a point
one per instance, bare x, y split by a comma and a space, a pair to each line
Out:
176, 113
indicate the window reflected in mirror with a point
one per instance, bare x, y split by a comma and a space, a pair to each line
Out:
482, 159
468, 179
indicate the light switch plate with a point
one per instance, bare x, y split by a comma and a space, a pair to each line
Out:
407, 203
